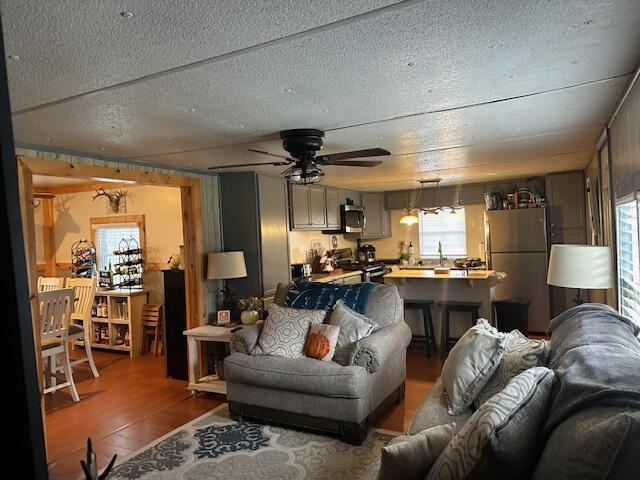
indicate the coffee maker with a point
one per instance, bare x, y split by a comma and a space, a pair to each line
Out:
367, 253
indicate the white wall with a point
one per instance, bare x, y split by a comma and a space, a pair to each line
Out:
300, 242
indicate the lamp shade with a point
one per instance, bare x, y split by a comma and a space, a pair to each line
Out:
226, 265
409, 219
580, 266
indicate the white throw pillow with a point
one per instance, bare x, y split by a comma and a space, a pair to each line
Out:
285, 331
522, 354
353, 327
470, 364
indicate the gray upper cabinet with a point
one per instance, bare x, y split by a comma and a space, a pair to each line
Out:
300, 207
333, 208
318, 207
377, 216
472, 194
398, 199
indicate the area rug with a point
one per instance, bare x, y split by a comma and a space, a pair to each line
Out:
215, 447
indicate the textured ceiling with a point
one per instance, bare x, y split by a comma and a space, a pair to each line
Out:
464, 90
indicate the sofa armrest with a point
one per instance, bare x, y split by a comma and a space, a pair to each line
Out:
244, 340
373, 351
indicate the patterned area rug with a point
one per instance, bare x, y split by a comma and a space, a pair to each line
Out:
215, 447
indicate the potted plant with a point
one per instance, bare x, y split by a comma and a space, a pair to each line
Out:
251, 307
404, 258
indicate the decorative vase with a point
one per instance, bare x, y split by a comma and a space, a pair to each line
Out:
175, 261
249, 317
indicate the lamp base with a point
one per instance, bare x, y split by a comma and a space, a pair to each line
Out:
578, 300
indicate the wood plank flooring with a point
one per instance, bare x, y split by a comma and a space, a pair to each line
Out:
132, 403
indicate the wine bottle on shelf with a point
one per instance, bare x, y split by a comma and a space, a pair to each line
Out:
126, 338
128, 263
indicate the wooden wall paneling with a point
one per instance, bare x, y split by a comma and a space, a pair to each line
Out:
49, 237
194, 262
209, 195
25, 187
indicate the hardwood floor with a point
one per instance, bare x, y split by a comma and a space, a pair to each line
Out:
132, 403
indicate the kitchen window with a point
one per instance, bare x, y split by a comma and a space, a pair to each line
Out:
628, 218
108, 240
448, 229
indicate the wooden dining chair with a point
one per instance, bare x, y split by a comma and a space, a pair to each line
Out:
46, 284
80, 326
152, 326
55, 315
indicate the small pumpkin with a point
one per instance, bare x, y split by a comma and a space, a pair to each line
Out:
317, 346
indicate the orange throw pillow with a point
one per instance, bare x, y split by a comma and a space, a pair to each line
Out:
321, 341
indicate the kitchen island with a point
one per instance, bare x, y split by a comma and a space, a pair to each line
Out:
338, 276
456, 285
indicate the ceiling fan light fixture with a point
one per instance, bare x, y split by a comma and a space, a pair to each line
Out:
304, 176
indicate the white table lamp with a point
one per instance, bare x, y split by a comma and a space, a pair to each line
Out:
225, 266
580, 267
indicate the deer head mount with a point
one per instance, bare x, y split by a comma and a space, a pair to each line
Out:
114, 198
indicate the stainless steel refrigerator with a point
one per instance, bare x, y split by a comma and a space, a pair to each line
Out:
516, 243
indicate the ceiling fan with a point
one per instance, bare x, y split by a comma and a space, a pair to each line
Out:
303, 145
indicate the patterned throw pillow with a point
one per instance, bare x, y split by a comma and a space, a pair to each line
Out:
321, 342
470, 364
285, 331
353, 327
409, 457
502, 439
522, 354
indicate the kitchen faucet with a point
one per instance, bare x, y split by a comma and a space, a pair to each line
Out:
440, 253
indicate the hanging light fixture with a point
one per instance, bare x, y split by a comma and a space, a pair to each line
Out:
410, 216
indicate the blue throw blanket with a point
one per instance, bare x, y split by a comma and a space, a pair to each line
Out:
595, 354
323, 296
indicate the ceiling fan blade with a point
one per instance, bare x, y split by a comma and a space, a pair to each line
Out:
355, 163
274, 164
271, 154
369, 152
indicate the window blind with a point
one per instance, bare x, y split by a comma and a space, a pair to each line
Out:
628, 219
447, 228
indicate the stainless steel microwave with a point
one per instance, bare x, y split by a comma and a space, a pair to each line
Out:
353, 218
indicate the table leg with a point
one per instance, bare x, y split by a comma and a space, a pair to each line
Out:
194, 364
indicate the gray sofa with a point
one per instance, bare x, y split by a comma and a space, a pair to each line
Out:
593, 427
328, 397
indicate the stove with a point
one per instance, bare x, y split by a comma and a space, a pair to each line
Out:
371, 271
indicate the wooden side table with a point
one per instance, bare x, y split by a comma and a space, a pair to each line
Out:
206, 333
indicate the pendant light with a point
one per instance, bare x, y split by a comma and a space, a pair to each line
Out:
409, 218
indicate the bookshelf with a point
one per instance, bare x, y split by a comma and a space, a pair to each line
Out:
116, 320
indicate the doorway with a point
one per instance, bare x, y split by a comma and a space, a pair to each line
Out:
158, 213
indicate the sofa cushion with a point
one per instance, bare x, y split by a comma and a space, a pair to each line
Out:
328, 379
384, 306
433, 411
470, 364
353, 327
321, 341
410, 457
285, 331
600, 442
502, 438
521, 354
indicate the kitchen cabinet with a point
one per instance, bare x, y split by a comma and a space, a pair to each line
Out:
565, 193
399, 199
255, 220
318, 207
314, 207
332, 197
300, 207
377, 216
471, 194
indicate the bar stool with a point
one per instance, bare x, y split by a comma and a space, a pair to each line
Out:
429, 334
452, 306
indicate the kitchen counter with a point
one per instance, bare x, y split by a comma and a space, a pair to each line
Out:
337, 274
418, 273
457, 285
